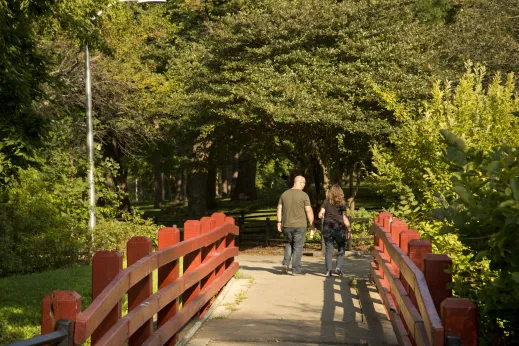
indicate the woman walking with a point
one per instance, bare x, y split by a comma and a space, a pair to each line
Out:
336, 228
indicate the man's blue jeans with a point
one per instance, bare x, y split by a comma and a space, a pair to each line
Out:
294, 247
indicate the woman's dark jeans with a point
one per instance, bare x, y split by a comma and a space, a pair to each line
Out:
337, 235
294, 247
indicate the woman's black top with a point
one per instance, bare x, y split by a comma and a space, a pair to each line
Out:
333, 216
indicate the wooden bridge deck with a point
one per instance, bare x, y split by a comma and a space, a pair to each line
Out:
306, 310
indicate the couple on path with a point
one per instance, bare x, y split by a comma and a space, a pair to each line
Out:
294, 209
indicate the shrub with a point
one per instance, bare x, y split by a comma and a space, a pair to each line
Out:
112, 235
37, 233
482, 208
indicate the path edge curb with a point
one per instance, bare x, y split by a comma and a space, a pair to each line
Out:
208, 314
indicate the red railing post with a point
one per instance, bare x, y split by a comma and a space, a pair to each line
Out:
137, 248
418, 249
192, 260
219, 218
229, 242
105, 267
58, 305
383, 221
460, 318
207, 224
167, 274
220, 246
434, 266
405, 237
397, 226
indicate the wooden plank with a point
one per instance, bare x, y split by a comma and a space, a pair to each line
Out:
406, 307
127, 325
383, 289
401, 334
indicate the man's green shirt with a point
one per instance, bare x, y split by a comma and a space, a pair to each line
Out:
293, 211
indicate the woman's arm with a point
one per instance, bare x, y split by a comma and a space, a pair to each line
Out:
347, 224
321, 213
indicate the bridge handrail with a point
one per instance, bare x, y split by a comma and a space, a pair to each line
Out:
208, 252
415, 278
91, 317
414, 287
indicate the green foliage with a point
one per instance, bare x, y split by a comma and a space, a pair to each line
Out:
413, 171
39, 229
26, 74
411, 168
283, 66
112, 235
433, 11
482, 208
361, 229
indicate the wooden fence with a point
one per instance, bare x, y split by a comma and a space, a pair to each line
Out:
412, 283
208, 252
259, 227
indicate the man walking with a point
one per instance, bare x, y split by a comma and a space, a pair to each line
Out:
292, 212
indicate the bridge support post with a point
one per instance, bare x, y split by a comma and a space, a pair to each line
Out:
137, 248
59, 305
105, 267
229, 242
418, 249
434, 266
167, 274
397, 227
206, 224
459, 317
191, 260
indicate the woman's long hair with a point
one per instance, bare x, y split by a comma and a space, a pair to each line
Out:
335, 195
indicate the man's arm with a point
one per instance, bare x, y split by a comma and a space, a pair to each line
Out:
279, 215
310, 216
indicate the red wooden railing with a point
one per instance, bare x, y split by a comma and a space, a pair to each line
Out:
208, 250
412, 283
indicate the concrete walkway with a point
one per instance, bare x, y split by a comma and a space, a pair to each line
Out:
265, 307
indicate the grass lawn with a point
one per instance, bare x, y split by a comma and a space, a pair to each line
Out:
21, 296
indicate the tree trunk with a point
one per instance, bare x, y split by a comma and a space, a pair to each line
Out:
137, 190
112, 149
163, 185
246, 183
197, 195
227, 176
141, 189
317, 173
223, 182
354, 179
157, 170
170, 188
197, 205
211, 186
179, 194
235, 170
184, 185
